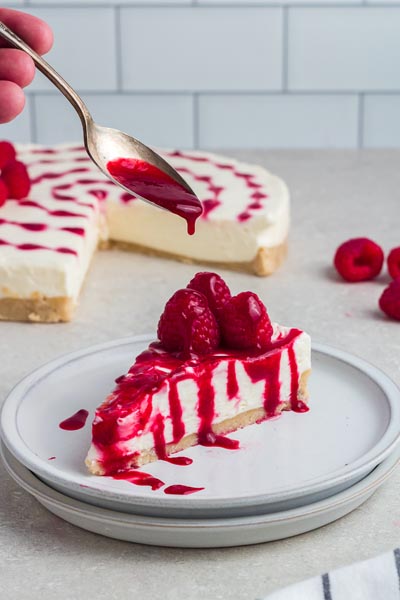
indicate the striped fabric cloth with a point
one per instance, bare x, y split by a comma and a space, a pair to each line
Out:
374, 579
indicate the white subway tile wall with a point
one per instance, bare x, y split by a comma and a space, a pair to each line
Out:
344, 49
161, 120
222, 73
280, 121
85, 50
382, 121
201, 49
21, 128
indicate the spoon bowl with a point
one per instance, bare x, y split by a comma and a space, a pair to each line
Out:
105, 144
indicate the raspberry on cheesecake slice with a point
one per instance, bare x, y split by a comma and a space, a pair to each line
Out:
219, 364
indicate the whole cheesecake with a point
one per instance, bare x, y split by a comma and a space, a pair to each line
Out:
218, 365
48, 239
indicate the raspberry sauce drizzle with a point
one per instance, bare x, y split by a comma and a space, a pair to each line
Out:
248, 179
52, 175
232, 386
37, 227
152, 184
181, 490
76, 421
206, 413
180, 461
296, 404
31, 247
139, 478
175, 407
146, 480
160, 445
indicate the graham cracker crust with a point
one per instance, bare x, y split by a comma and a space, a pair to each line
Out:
40, 309
37, 310
238, 422
266, 261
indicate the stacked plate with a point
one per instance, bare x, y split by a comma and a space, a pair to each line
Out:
289, 476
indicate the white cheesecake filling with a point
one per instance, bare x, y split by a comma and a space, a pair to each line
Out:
45, 272
217, 240
251, 396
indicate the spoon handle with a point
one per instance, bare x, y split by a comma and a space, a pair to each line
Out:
49, 72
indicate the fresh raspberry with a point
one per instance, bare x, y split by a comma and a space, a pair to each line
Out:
393, 263
359, 259
389, 302
245, 323
187, 324
214, 289
3, 192
16, 178
7, 153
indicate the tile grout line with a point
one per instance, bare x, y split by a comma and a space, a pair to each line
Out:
285, 48
32, 118
216, 92
343, 4
360, 133
196, 123
118, 48
229, 5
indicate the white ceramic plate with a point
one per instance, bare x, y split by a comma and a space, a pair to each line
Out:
200, 533
352, 426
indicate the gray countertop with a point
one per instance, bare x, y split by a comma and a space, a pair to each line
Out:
336, 195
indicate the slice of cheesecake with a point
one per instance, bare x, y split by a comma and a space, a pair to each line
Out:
204, 388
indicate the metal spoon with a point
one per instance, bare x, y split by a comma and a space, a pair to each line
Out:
104, 144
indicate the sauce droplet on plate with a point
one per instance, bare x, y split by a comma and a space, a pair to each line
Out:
181, 461
139, 478
181, 490
76, 421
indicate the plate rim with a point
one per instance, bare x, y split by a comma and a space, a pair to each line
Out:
10, 435
37, 488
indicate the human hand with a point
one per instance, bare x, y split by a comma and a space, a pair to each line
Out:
17, 68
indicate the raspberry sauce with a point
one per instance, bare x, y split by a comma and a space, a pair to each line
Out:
147, 480
42, 227
181, 490
139, 478
31, 247
180, 461
76, 421
149, 182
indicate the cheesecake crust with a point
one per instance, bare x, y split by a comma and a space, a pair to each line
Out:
37, 310
266, 261
238, 422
